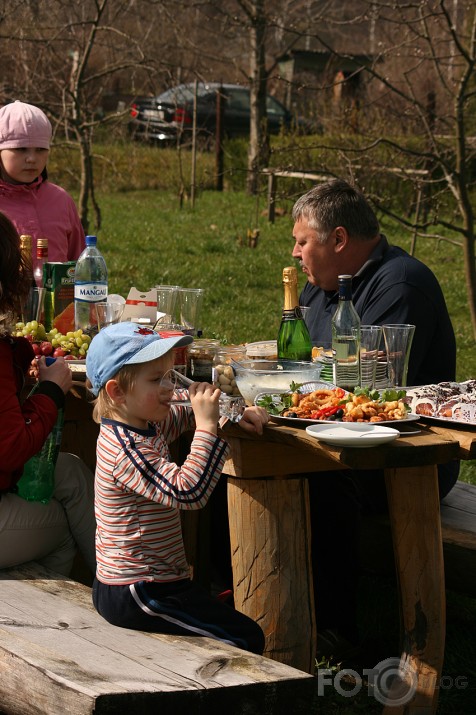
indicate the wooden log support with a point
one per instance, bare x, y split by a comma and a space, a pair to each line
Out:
419, 563
458, 526
272, 571
57, 655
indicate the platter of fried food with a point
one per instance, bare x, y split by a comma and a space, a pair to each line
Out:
323, 403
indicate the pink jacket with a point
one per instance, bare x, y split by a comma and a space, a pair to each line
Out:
43, 209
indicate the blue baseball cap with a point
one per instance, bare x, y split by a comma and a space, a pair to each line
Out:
126, 344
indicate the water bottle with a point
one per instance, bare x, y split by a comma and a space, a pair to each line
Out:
90, 286
294, 341
37, 482
346, 338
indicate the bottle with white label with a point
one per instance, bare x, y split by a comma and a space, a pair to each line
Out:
90, 286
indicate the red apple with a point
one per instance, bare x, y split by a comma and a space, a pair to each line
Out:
59, 352
46, 348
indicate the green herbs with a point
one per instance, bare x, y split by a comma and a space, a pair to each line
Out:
274, 404
388, 395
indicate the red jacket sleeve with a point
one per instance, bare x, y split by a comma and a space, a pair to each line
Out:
24, 427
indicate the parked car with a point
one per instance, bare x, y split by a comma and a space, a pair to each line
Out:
169, 116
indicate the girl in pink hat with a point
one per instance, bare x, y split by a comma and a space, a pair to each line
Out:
35, 205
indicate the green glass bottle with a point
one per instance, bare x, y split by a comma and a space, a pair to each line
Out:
294, 341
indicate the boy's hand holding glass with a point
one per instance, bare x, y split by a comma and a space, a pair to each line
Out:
230, 407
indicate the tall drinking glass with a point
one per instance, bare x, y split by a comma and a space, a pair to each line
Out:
370, 336
398, 342
166, 302
32, 308
190, 307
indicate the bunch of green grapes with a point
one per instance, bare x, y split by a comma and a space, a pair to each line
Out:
33, 330
74, 344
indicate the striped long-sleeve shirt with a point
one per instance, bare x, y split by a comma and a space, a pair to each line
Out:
139, 493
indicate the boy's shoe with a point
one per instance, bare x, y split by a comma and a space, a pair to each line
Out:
225, 596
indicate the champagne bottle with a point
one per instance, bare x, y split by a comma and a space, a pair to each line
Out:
37, 482
346, 338
294, 341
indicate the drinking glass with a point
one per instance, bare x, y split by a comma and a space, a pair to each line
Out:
190, 307
398, 342
231, 406
166, 302
32, 308
108, 313
370, 336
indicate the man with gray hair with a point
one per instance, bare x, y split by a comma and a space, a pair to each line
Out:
336, 232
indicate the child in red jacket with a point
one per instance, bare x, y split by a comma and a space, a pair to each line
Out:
49, 533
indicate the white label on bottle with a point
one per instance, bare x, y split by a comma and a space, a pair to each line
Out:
90, 292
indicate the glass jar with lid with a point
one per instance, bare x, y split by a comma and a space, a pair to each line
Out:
201, 358
223, 374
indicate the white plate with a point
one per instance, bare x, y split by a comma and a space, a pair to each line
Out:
352, 434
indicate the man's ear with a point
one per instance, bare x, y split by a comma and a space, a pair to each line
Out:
114, 391
341, 238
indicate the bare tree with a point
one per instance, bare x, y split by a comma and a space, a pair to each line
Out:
64, 57
417, 112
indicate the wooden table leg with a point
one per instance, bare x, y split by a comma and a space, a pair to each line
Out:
416, 528
270, 546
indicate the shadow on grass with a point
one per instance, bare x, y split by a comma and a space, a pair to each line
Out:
379, 628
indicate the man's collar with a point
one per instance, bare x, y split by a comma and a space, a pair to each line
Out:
375, 257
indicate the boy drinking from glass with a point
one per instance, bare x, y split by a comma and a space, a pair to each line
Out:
142, 580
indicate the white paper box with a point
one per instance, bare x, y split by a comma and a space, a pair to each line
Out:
141, 306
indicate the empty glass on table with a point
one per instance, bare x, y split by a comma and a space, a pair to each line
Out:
398, 342
370, 337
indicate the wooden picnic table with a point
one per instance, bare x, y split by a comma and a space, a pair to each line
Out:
270, 537
268, 505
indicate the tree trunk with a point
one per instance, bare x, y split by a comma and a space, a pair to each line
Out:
258, 152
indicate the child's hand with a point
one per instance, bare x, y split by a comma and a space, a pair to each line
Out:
205, 405
253, 419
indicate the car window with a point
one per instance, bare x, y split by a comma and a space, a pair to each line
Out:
238, 99
185, 92
274, 107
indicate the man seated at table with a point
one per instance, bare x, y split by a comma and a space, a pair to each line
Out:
336, 232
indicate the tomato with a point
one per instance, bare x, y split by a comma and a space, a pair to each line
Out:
59, 352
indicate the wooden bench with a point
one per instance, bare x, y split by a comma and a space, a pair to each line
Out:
458, 522
59, 656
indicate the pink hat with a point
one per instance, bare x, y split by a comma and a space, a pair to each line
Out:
24, 125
